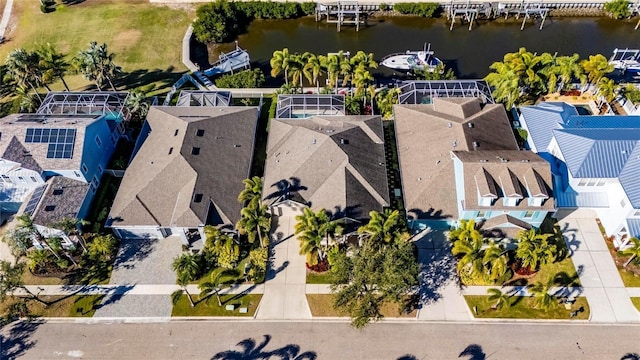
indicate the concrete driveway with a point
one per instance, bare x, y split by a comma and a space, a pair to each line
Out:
142, 262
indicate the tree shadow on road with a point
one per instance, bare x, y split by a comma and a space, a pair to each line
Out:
16, 339
473, 352
252, 350
630, 356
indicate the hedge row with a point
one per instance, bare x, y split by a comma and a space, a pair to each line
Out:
419, 9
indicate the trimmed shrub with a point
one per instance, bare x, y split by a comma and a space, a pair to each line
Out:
244, 79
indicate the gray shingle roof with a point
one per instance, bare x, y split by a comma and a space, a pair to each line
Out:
335, 163
62, 199
426, 134
513, 173
191, 153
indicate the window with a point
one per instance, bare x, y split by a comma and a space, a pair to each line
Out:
195, 151
200, 132
95, 182
591, 182
93, 188
175, 133
33, 178
637, 213
49, 208
57, 191
529, 214
77, 174
99, 169
601, 182
197, 198
98, 141
623, 203
84, 168
582, 182
481, 214
170, 150
22, 179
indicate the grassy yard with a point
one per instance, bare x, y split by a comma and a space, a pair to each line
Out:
545, 274
636, 302
322, 306
146, 38
522, 308
250, 301
62, 306
629, 279
234, 277
318, 278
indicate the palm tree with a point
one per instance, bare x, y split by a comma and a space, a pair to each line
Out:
332, 65
215, 285
96, 64
534, 249
280, 63
224, 246
472, 259
499, 297
252, 190
307, 230
137, 105
25, 222
187, 265
183, 281
36, 259
466, 230
633, 251
495, 260
102, 247
596, 67
382, 227
28, 102
21, 66
254, 221
361, 78
296, 65
607, 88
312, 68
543, 300
568, 68
505, 83
53, 64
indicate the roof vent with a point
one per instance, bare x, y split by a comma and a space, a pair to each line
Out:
470, 125
502, 160
344, 141
236, 145
525, 160
314, 141
454, 143
449, 125
419, 179
483, 160
476, 144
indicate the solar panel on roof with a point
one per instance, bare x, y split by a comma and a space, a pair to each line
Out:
35, 199
60, 141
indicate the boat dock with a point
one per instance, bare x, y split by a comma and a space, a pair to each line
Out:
469, 11
238, 59
625, 59
344, 13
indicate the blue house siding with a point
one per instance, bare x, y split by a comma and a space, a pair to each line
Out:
94, 154
459, 178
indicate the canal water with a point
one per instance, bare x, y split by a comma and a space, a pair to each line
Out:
469, 53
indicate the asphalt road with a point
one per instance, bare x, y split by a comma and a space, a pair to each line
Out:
319, 340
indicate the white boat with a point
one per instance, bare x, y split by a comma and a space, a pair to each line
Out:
412, 60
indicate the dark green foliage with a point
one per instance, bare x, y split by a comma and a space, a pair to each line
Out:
244, 79
273, 107
353, 104
275, 10
219, 21
383, 7
418, 9
222, 21
618, 9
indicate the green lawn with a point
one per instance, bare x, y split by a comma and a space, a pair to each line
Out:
62, 306
318, 278
250, 301
548, 272
629, 279
146, 38
235, 277
321, 305
636, 302
522, 308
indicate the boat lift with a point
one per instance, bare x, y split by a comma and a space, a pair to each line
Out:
625, 59
238, 59
528, 10
342, 13
467, 12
